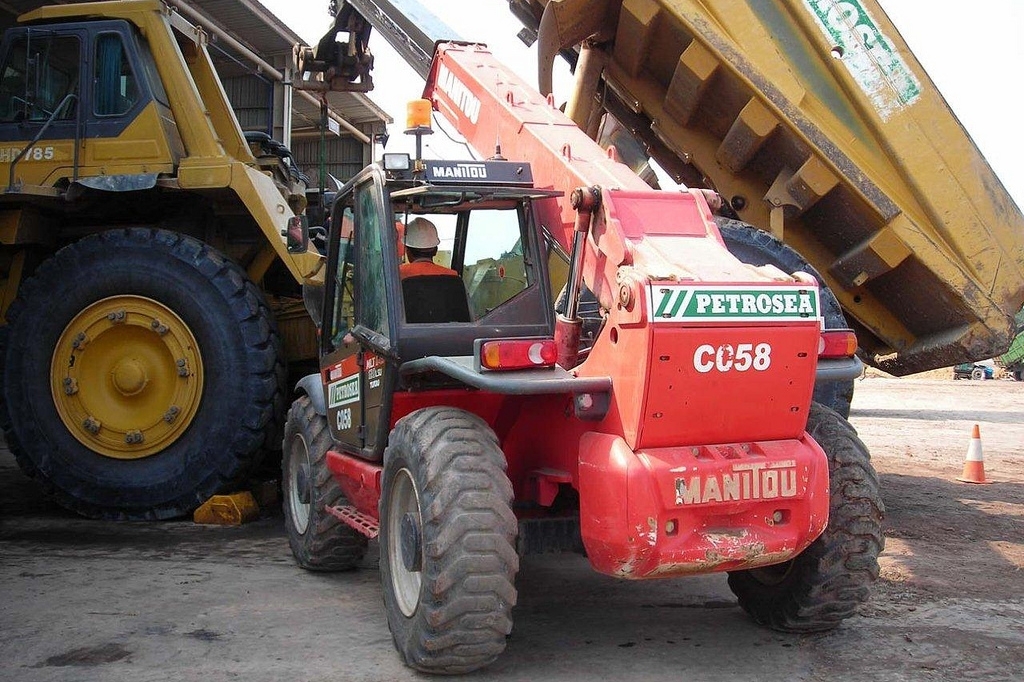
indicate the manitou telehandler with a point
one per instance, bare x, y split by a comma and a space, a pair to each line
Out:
466, 419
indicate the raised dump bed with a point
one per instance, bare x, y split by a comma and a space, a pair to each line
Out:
814, 121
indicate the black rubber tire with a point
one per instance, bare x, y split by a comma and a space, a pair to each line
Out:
469, 563
325, 544
978, 374
242, 366
757, 247
826, 582
1018, 374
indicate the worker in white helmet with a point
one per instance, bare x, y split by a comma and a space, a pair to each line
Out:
421, 243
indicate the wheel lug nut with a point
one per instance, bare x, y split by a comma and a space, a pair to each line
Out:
133, 437
91, 425
172, 414
70, 386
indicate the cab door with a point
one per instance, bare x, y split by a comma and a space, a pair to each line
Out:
359, 363
40, 78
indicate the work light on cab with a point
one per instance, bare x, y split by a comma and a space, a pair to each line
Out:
837, 343
509, 354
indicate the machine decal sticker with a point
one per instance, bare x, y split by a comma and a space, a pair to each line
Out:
374, 371
458, 170
868, 55
343, 392
748, 481
461, 96
9, 154
726, 358
733, 304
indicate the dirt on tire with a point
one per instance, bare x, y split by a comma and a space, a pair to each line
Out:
325, 543
468, 560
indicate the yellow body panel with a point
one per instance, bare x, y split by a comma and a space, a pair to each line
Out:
816, 122
203, 150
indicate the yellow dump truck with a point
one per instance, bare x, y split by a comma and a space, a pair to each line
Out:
816, 124
142, 368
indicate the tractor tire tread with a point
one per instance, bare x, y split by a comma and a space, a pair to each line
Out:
248, 310
328, 543
833, 576
469, 534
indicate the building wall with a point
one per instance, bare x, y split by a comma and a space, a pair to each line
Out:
252, 99
344, 157
257, 104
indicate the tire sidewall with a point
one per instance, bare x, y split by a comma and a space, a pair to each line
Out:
327, 544
180, 274
297, 427
404, 629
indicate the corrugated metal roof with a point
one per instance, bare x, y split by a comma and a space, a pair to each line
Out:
251, 24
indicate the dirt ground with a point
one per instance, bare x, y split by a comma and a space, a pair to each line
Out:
953, 567
85, 600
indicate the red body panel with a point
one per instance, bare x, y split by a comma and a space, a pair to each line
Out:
726, 406
359, 480
701, 463
682, 510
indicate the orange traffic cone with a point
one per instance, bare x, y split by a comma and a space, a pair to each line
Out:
974, 463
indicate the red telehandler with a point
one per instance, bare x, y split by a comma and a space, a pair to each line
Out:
657, 416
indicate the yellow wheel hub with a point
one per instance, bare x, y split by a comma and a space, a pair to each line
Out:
126, 377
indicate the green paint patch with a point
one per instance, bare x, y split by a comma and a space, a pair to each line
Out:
869, 56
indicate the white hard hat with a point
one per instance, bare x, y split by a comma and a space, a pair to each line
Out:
420, 233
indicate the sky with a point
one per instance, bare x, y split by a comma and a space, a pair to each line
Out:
975, 58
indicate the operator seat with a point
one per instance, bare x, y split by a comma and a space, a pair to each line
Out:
432, 299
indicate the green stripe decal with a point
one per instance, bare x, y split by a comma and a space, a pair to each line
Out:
696, 303
343, 392
867, 53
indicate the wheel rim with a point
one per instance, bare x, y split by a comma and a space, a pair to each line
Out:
299, 486
126, 377
405, 583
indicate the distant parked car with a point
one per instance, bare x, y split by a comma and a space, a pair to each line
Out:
970, 370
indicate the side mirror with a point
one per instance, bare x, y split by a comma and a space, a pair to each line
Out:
297, 234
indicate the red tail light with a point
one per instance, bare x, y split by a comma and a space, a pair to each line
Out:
507, 354
837, 343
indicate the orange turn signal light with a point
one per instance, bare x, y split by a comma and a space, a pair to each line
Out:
837, 343
508, 354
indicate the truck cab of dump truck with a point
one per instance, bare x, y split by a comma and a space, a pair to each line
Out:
92, 81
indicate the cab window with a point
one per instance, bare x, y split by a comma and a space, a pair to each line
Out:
51, 64
115, 88
341, 318
371, 308
494, 267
